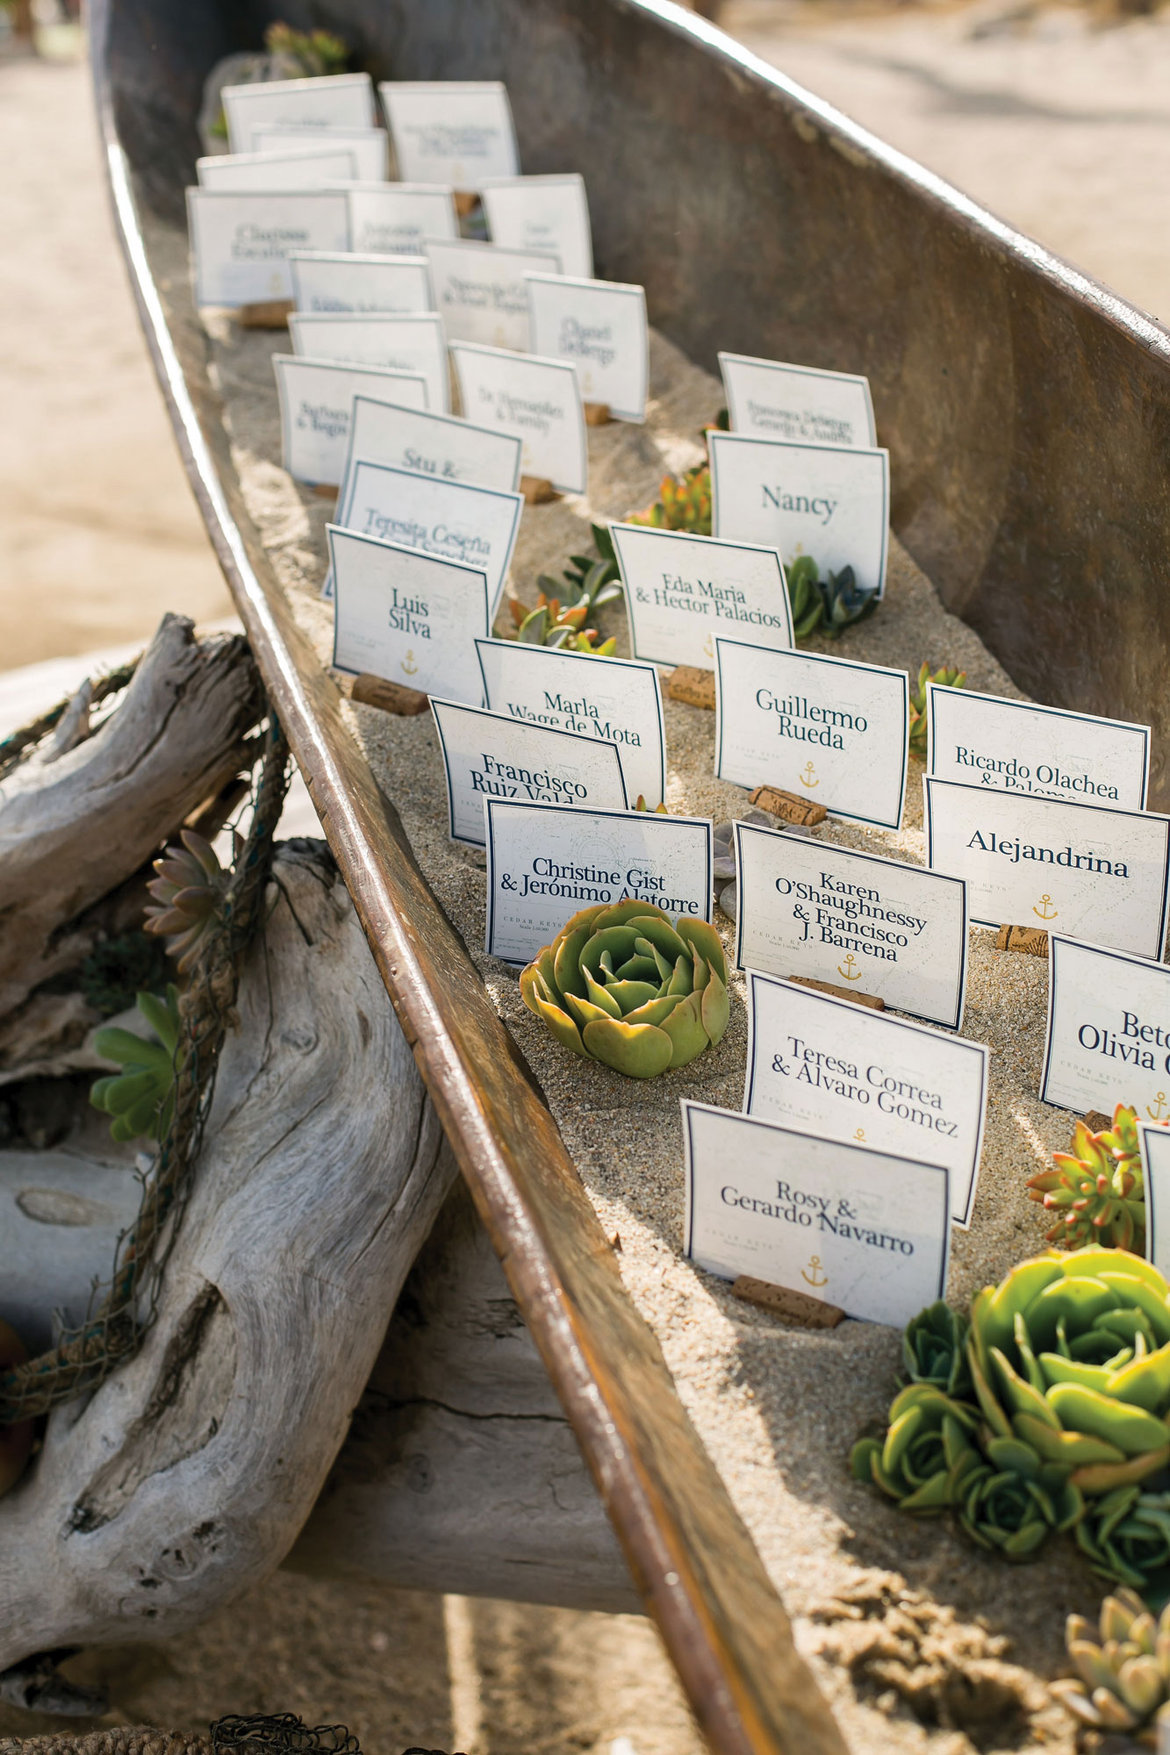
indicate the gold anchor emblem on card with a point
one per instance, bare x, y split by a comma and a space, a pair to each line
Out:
1046, 911
849, 969
859, 1136
806, 775
1159, 1112
408, 664
709, 646
817, 1277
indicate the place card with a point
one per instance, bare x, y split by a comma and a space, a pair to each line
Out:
336, 280
316, 406
451, 131
833, 914
682, 590
855, 1227
548, 213
479, 290
1034, 751
396, 219
306, 167
468, 523
489, 755
831, 1068
1155, 1147
536, 399
339, 100
615, 699
407, 616
240, 240
1108, 1030
821, 500
441, 445
600, 325
770, 400
1088, 870
369, 146
830, 729
545, 862
407, 343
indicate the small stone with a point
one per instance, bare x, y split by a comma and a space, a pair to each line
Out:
1098, 1122
729, 900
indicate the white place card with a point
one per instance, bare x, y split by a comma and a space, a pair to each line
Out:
682, 590
549, 214
305, 167
548, 861
451, 131
821, 500
316, 406
340, 100
1038, 752
339, 281
832, 1068
490, 755
396, 219
1155, 1145
806, 907
770, 400
858, 1228
600, 325
406, 616
406, 343
830, 729
479, 290
369, 146
240, 240
614, 699
1084, 869
468, 523
1108, 1030
536, 399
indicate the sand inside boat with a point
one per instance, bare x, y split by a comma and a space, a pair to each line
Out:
920, 1640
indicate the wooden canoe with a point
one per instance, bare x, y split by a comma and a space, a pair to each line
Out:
1026, 410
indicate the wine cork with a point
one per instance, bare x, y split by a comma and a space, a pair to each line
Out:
390, 697
695, 688
537, 491
810, 1312
788, 805
268, 314
597, 414
872, 1000
1033, 940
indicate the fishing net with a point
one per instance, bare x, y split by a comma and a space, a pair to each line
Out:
280, 1733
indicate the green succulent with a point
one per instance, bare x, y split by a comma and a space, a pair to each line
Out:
1012, 1511
594, 579
140, 1097
845, 602
934, 1349
315, 52
625, 985
1096, 1191
1126, 1535
1124, 1676
954, 679
926, 1455
804, 596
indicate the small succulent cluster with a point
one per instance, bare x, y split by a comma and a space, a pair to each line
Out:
825, 606
1123, 1677
953, 679
590, 582
312, 52
1095, 1192
626, 985
140, 1097
1047, 1410
683, 503
189, 893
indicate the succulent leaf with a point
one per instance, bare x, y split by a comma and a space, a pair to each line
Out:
1120, 1683
953, 679
189, 891
140, 1098
1095, 1192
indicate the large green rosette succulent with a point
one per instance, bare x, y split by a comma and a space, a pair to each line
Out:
625, 985
1014, 1513
934, 1349
927, 1453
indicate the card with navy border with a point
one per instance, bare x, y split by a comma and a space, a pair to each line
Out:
547, 861
1155, 1147
768, 399
539, 400
316, 407
490, 755
370, 146
832, 1068
405, 615
396, 219
338, 281
1087, 870
480, 292
240, 240
459, 519
1108, 1036
412, 342
827, 501
303, 167
682, 590
806, 907
547, 213
862, 1229
600, 325
830, 729
1034, 751
451, 130
340, 100
615, 699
